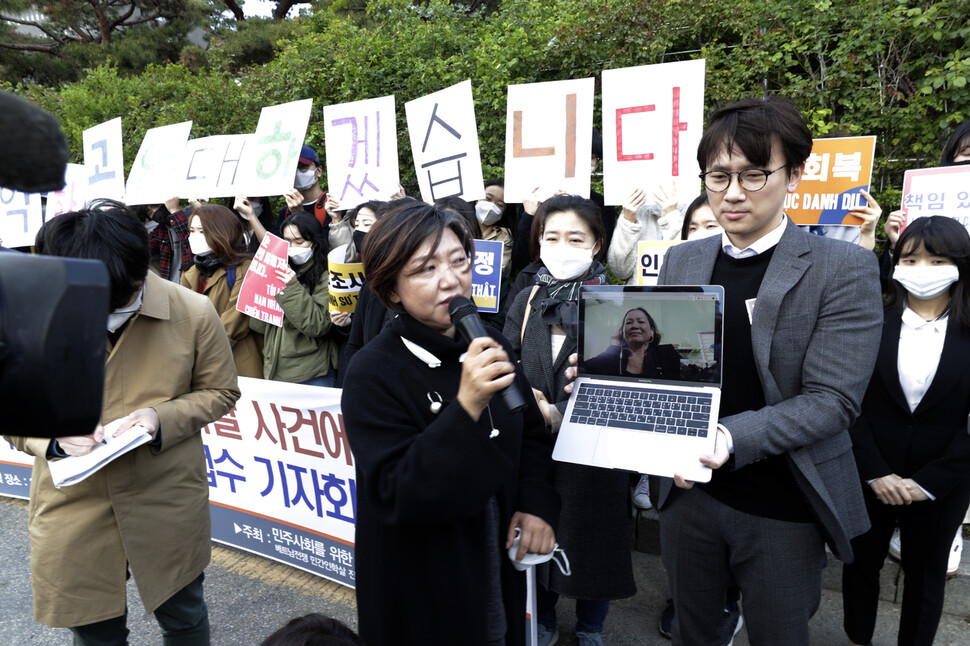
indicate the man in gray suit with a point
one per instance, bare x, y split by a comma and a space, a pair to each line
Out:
802, 316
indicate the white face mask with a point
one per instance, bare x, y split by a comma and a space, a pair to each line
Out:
117, 318
487, 212
300, 255
305, 179
198, 245
565, 262
925, 283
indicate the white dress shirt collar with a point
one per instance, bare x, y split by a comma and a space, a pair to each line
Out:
761, 245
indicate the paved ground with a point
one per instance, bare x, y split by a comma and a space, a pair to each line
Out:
250, 596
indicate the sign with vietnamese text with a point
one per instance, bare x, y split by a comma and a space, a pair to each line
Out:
257, 296
832, 178
487, 274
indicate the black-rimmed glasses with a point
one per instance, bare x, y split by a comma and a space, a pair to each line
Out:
749, 180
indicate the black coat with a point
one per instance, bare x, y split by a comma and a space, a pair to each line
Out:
423, 482
663, 362
931, 444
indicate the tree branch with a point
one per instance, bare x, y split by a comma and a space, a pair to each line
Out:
31, 23
235, 9
29, 47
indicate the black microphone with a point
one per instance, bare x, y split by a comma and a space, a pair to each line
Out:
464, 315
35, 145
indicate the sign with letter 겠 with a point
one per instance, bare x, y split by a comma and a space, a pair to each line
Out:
361, 139
257, 296
548, 138
653, 118
833, 176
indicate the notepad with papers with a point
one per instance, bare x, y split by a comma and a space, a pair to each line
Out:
76, 468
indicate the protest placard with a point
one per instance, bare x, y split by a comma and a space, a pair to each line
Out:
344, 280
650, 258
444, 144
281, 477
261, 284
937, 191
212, 167
104, 160
548, 138
154, 173
21, 216
361, 140
73, 196
833, 176
270, 160
653, 119
487, 275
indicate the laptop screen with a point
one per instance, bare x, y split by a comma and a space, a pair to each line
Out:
651, 334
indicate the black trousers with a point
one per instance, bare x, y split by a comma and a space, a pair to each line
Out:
184, 620
926, 532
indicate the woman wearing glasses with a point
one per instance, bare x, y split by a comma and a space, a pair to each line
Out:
446, 474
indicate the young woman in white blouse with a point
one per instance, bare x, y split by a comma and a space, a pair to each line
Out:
911, 441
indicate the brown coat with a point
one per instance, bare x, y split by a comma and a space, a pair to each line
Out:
246, 345
149, 509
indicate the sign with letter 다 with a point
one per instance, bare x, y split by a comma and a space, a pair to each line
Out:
548, 138
444, 144
361, 140
653, 119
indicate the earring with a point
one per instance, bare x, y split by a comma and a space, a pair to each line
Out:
436, 402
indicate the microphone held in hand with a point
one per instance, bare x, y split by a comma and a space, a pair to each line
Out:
464, 315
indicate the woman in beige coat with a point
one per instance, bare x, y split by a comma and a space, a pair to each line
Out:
221, 263
169, 369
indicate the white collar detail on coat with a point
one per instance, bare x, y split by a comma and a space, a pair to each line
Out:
425, 356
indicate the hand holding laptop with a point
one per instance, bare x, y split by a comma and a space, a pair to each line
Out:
715, 461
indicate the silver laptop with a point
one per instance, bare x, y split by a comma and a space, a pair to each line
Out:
648, 391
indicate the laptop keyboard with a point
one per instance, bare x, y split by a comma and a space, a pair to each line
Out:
668, 411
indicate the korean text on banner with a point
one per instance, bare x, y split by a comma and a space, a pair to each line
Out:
361, 139
257, 296
212, 167
487, 275
937, 191
270, 160
650, 258
548, 138
154, 173
104, 160
281, 477
834, 174
21, 216
344, 281
73, 196
444, 144
653, 118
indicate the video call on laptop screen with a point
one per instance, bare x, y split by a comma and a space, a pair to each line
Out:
662, 334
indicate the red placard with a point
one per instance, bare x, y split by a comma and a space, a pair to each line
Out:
261, 284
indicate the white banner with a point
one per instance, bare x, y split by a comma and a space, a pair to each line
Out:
70, 198
212, 166
653, 119
21, 216
548, 138
104, 161
154, 173
444, 144
270, 161
361, 139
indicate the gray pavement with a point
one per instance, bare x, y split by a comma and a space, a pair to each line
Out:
250, 596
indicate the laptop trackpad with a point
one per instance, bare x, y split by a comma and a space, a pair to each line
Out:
642, 452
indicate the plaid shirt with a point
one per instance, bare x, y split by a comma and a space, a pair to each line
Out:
175, 226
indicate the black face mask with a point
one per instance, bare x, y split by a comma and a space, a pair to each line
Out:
208, 263
359, 240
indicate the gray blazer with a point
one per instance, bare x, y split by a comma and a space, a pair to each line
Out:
815, 335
